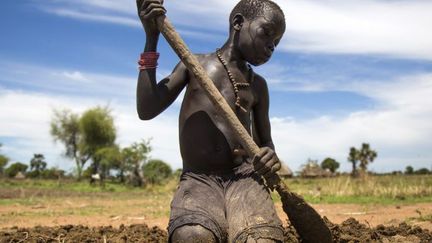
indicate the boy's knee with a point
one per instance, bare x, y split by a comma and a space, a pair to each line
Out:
193, 234
262, 240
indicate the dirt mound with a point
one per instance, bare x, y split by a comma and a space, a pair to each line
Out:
350, 231
71, 233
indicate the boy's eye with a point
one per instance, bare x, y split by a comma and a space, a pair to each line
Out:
267, 32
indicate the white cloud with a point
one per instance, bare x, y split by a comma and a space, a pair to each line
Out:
399, 128
25, 119
395, 28
26, 112
94, 17
67, 81
390, 28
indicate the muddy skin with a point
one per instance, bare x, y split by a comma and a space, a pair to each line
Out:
193, 234
207, 143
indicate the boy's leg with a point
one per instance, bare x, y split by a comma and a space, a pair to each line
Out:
251, 214
193, 234
252, 240
197, 209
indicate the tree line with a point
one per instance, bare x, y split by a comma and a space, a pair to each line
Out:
89, 140
360, 159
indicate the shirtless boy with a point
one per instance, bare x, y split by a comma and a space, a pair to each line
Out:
221, 196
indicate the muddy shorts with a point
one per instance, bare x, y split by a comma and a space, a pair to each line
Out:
234, 206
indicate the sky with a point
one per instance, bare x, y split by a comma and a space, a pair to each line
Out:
346, 72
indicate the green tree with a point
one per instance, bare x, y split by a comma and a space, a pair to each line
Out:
15, 168
366, 156
110, 158
155, 171
53, 173
134, 157
409, 170
65, 129
353, 157
330, 164
3, 162
98, 131
422, 171
37, 165
84, 135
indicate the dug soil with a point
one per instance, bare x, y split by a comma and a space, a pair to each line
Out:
349, 231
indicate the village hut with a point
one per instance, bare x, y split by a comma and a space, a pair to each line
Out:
285, 171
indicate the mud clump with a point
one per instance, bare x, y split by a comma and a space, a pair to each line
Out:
78, 233
350, 231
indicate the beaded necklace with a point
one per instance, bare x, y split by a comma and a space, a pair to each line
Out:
233, 81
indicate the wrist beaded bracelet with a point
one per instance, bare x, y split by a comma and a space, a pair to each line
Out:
148, 60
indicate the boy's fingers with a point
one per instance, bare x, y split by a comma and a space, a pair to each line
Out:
154, 13
148, 13
267, 166
261, 153
273, 166
266, 157
146, 4
263, 171
153, 6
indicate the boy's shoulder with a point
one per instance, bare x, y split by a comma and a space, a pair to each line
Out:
259, 81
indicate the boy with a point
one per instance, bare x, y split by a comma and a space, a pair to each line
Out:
221, 196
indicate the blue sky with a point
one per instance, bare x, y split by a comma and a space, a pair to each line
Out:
346, 72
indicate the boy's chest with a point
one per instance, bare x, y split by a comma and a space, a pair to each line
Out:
235, 89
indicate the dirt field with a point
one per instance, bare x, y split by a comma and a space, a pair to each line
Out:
142, 216
348, 231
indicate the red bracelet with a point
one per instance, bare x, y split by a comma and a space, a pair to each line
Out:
148, 60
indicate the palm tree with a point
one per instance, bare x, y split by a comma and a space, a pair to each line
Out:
38, 164
366, 156
353, 157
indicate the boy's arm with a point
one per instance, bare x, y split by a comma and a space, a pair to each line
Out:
153, 97
261, 114
266, 161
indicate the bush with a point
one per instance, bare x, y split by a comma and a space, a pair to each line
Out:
422, 171
14, 168
53, 173
155, 171
409, 170
3, 162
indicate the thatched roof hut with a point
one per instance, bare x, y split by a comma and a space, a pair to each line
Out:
312, 170
285, 171
20, 176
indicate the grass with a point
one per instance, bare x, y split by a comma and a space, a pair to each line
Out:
389, 189
34, 199
421, 217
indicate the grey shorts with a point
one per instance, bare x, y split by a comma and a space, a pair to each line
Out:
234, 206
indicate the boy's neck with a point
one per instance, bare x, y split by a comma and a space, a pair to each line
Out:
232, 56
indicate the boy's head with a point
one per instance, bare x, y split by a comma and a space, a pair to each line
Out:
260, 25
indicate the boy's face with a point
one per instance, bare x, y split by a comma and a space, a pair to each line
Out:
259, 37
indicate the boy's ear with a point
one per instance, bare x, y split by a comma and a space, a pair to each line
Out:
237, 22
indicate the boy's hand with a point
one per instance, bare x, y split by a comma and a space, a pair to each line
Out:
266, 163
148, 11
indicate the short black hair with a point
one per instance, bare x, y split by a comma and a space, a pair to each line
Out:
251, 9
